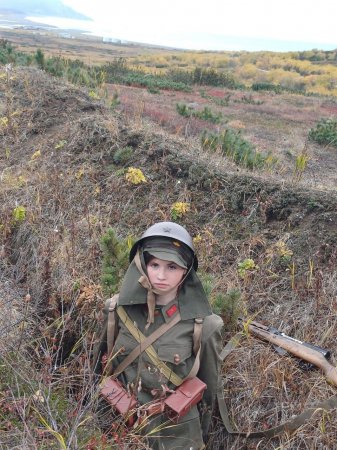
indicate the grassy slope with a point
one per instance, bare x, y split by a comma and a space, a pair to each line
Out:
76, 191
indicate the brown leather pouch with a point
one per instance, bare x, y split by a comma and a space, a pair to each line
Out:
118, 397
188, 394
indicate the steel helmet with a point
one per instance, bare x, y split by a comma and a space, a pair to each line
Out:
170, 230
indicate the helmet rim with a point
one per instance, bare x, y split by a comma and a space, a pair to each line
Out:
170, 230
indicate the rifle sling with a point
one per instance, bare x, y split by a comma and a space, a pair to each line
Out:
289, 426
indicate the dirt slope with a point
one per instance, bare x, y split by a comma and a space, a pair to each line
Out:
60, 164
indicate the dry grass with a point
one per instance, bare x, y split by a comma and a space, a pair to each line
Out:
73, 192
85, 48
278, 124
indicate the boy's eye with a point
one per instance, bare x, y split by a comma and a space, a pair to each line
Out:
172, 266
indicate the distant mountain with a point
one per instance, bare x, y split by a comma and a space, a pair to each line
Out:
54, 8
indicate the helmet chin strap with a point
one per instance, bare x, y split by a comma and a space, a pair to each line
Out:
145, 282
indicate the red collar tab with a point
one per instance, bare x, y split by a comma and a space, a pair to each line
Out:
172, 310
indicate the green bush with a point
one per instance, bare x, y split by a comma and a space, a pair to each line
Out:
75, 71
115, 260
231, 144
8, 54
204, 114
228, 306
180, 76
211, 77
203, 76
123, 155
184, 110
267, 87
325, 132
39, 58
55, 66
152, 82
116, 68
115, 100
209, 115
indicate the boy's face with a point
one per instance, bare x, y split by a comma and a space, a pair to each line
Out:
165, 276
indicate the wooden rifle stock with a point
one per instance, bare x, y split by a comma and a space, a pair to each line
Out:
297, 348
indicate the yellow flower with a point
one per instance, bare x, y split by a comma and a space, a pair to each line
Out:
135, 176
79, 174
36, 155
282, 249
247, 265
178, 209
60, 144
93, 95
4, 121
19, 214
197, 239
22, 181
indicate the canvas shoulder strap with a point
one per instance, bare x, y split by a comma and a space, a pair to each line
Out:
145, 344
111, 327
289, 426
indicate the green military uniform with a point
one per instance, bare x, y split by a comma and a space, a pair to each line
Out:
175, 348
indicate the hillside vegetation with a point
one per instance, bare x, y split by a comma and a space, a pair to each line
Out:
307, 72
77, 161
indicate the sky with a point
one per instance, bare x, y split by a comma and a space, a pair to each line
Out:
217, 24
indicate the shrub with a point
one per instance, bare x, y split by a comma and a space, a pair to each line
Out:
211, 77
179, 209
39, 58
228, 306
8, 54
209, 115
115, 100
231, 144
152, 82
116, 68
115, 260
205, 114
266, 87
123, 155
180, 76
19, 214
183, 110
135, 176
246, 266
325, 132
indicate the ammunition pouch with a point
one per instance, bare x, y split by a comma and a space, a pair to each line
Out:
188, 394
117, 396
175, 406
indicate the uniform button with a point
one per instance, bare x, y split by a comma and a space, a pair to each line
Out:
176, 358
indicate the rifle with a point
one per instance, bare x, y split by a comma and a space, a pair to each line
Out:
306, 352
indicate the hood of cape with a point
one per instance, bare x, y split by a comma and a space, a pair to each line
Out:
192, 299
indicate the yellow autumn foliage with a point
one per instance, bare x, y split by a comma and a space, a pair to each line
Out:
135, 176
